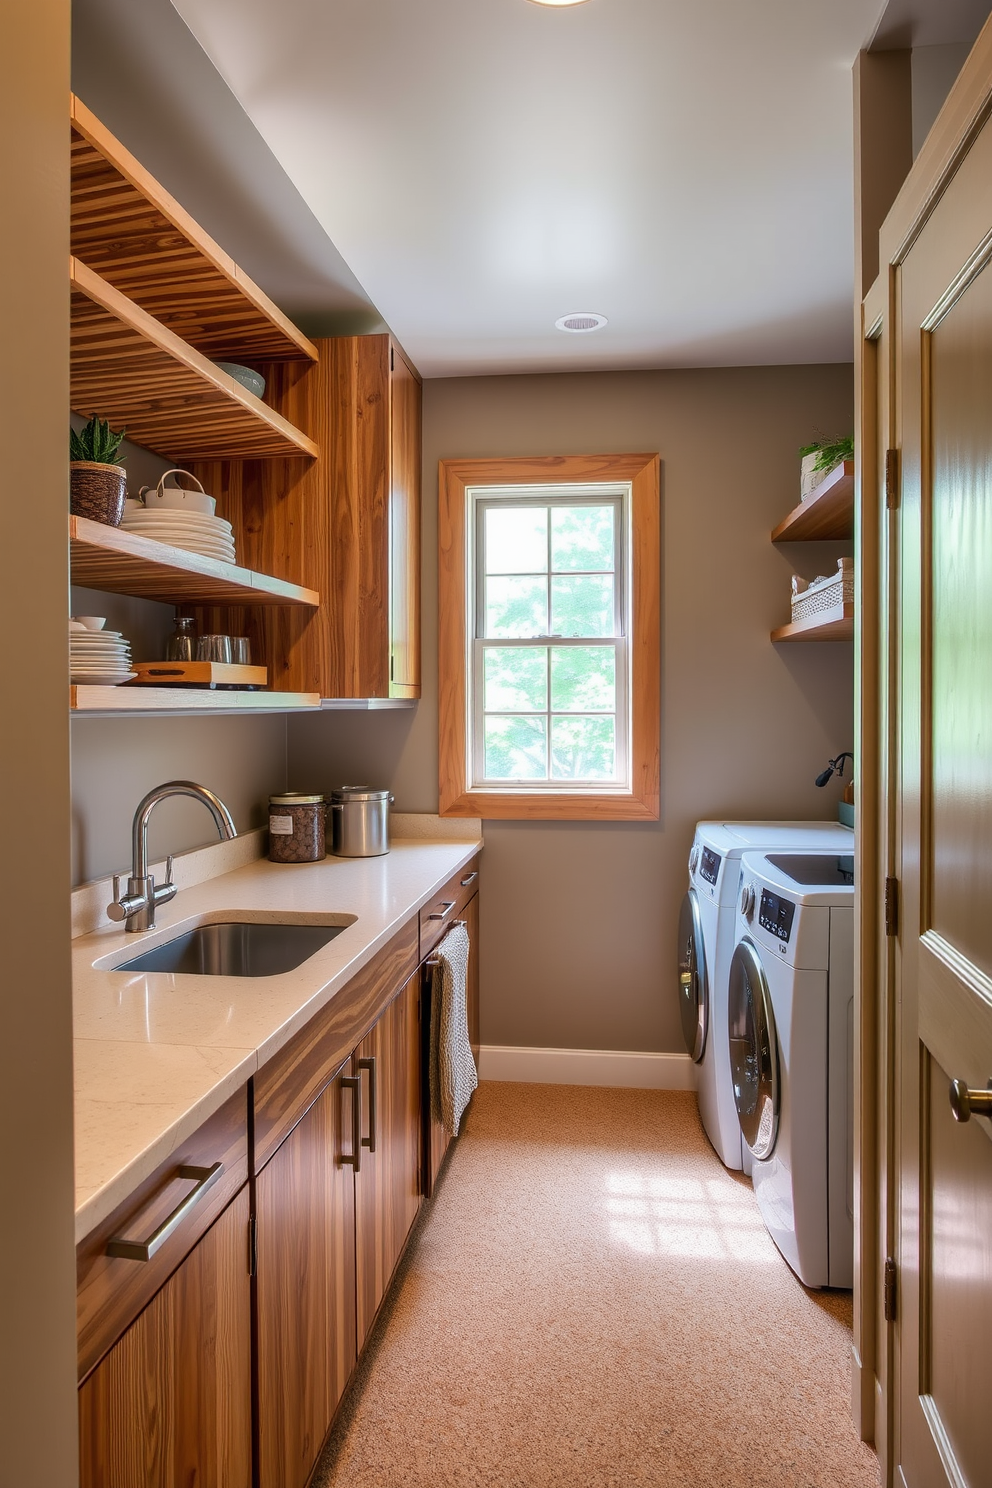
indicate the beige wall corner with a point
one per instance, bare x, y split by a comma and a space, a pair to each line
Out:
883, 150
37, 1270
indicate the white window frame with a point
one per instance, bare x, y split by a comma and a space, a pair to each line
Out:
481, 498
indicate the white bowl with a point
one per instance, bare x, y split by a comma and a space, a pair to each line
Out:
246, 376
91, 622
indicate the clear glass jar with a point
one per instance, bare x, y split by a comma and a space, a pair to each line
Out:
181, 645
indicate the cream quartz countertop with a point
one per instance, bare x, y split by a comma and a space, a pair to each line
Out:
157, 1053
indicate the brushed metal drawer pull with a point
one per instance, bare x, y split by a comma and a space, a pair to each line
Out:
471, 879
449, 905
143, 1250
354, 1084
369, 1064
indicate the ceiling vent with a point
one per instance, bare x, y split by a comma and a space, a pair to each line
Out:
580, 320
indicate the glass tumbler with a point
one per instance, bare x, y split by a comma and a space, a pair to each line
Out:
214, 648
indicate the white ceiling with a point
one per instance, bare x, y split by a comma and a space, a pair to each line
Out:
485, 166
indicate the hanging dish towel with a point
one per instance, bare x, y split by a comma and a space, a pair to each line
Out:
452, 1067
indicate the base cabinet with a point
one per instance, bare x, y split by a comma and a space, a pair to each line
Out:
170, 1404
387, 1186
334, 1205
305, 1218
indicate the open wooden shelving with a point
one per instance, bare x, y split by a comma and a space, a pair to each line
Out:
135, 372
131, 700
836, 624
122, 562
127, 227
828, 513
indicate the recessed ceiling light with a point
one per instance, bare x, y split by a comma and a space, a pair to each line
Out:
558, 2
580, 320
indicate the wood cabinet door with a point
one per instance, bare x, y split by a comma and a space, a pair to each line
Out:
436, 1139
387, 1185
305, 1205
170, 1405
944, 812
404, 528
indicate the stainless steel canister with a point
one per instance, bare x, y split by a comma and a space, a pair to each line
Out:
359, 821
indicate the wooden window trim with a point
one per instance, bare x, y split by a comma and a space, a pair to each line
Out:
457, 796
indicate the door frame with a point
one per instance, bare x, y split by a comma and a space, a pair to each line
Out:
878, 1071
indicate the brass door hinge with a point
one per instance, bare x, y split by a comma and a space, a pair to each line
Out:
253, 1246
892, 479
889, 1290
892, 906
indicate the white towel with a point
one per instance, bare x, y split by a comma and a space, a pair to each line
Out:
452, 1067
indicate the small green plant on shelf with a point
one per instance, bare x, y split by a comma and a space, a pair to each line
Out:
828, 452
818, 459
97, 483
96, 442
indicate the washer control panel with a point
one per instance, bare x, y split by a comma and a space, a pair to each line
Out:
776, 915
709, 865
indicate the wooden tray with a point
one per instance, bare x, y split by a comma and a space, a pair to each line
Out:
197, 674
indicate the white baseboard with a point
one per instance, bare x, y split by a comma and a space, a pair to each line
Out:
631, 1070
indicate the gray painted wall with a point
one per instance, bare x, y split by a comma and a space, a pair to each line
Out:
578, 927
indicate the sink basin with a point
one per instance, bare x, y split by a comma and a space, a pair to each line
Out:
245, 949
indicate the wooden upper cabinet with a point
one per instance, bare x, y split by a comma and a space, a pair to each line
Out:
346, 524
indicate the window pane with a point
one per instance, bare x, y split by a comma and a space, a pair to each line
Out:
581, 606
583, 749
516, 607
516, 539
581, 537
516, 748
583, 679
515, 679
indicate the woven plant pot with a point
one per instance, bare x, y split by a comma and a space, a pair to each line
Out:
97, 491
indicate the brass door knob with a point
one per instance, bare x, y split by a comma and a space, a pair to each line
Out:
966, 1103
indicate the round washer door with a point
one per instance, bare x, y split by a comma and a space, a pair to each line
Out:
753, 1051
694, 997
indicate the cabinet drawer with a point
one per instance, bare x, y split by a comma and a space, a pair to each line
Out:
111, 1289
447, 905
287, 1086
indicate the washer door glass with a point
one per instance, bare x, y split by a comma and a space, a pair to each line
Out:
753, 1051
694, 999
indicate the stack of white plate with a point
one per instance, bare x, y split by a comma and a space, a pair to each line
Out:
212, 537
98, 658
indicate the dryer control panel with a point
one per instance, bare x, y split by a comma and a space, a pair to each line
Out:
709, 865
776, 914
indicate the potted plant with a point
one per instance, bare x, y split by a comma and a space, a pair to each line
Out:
97, 485
818, 459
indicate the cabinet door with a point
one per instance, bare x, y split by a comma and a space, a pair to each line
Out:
306, 1287
387, 1186
404, 528
171, 1403
436, 1139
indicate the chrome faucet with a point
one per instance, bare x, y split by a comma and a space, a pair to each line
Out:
137, 907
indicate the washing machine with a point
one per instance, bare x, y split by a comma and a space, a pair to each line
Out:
706, 940
791, 1020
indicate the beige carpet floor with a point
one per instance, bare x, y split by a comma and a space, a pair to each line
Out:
592, 1299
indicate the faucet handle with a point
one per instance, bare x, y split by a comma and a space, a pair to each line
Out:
168, 870
115, 909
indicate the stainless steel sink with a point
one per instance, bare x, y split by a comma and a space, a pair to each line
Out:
244, 949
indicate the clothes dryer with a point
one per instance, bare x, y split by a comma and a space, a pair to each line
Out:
791, 1017
706, 939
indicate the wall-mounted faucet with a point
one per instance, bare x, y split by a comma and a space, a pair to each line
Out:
137, 906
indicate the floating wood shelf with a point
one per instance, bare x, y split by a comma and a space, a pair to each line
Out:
137, 700
836, 624
125, 225
132, 370
828, 513
121, 562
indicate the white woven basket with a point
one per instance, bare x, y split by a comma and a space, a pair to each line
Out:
824, 593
